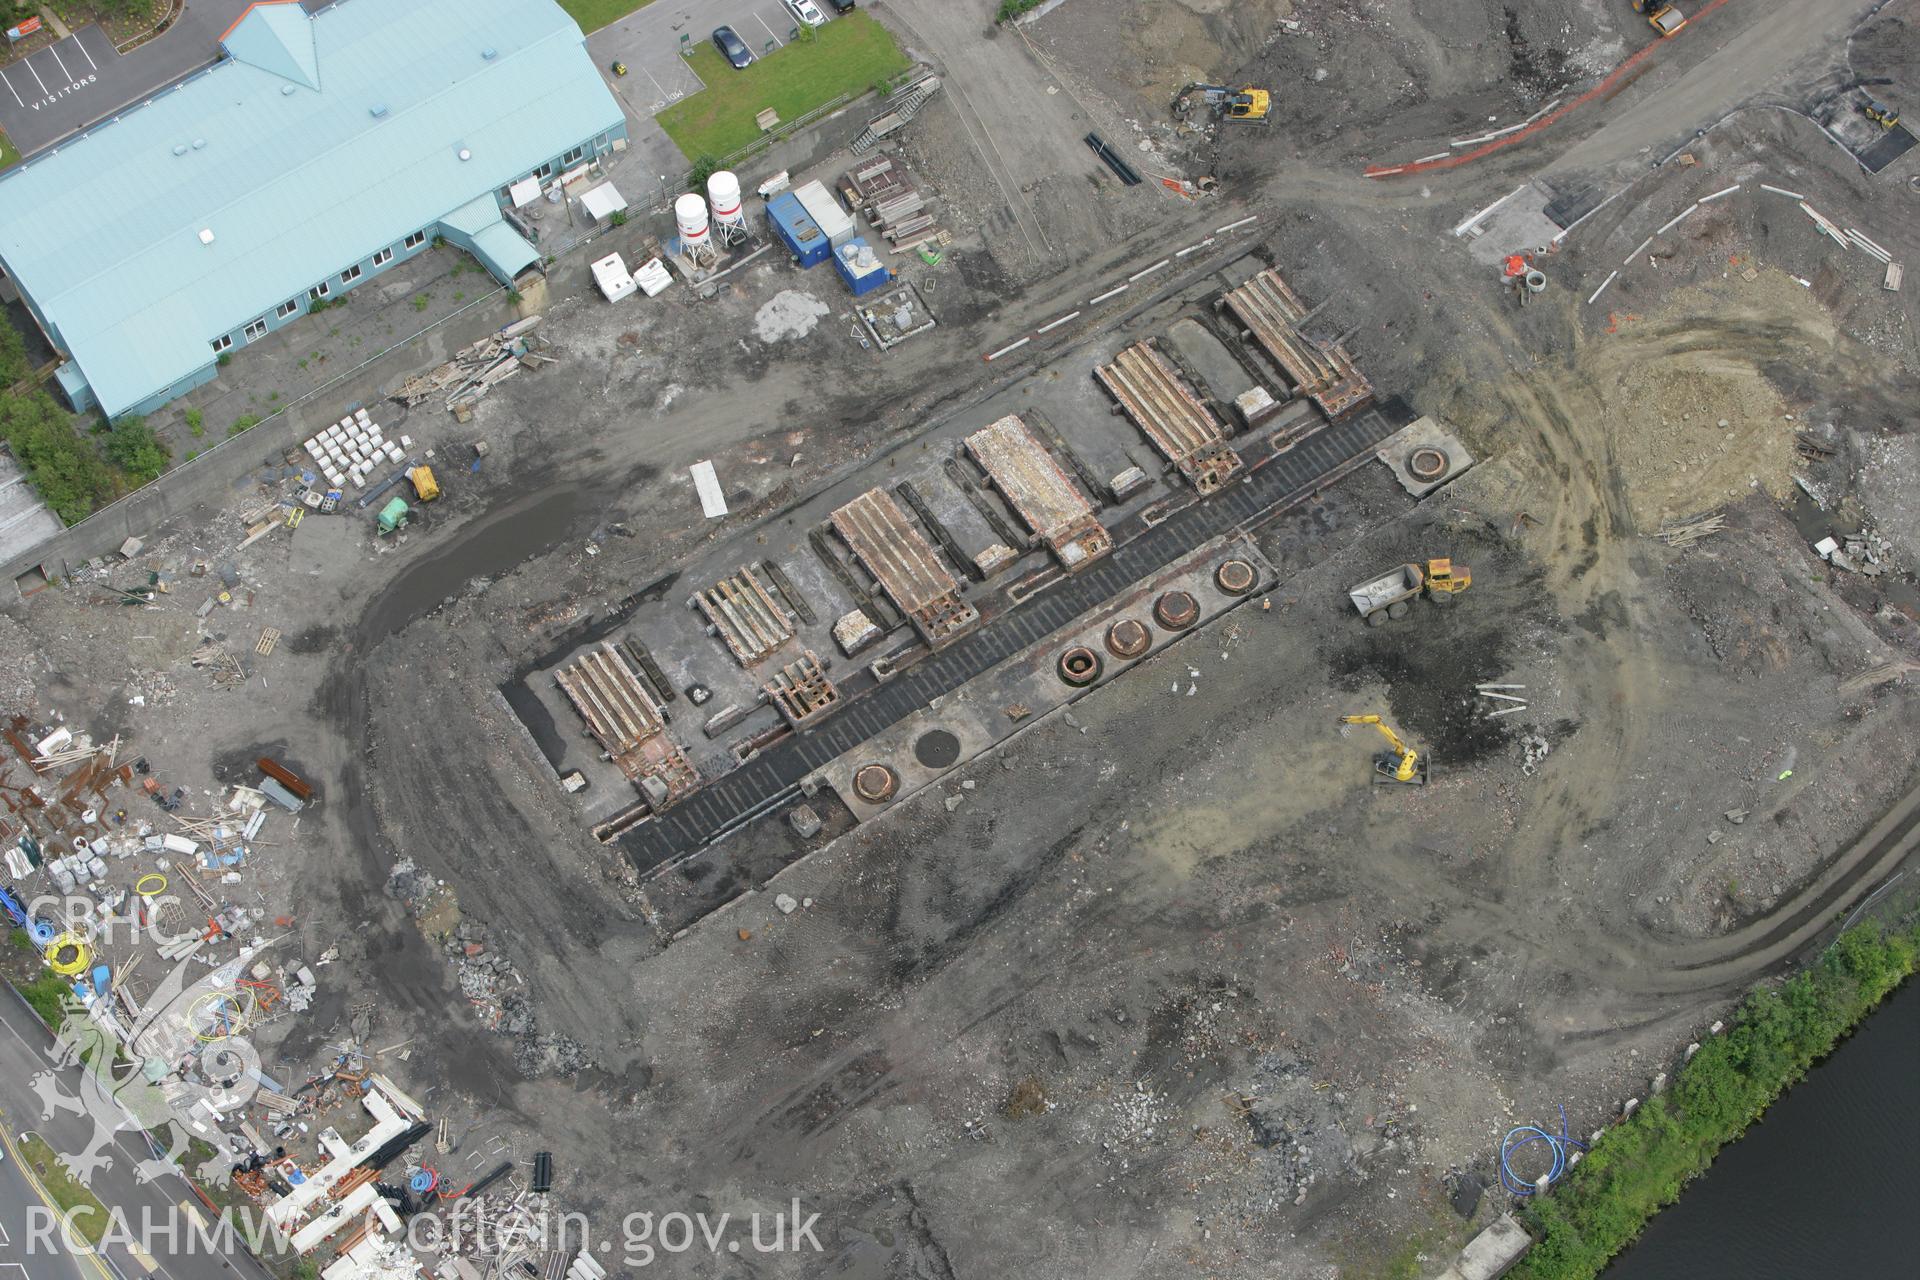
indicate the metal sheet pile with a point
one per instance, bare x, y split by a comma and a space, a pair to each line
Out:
906, 566
1040, 492
1162, 405
746, 615
625, 719
1324, 372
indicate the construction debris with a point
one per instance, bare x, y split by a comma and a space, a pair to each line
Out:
479, 367
1687, 532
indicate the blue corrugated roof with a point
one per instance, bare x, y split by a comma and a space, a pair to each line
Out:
293, 183
276, 36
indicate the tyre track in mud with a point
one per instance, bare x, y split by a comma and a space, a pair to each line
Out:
1585, 539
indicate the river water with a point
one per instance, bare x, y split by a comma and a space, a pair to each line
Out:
1827, 1185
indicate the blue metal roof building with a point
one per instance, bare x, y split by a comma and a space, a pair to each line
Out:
319, 151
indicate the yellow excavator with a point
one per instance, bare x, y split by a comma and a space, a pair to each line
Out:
1399, 762
1248, 105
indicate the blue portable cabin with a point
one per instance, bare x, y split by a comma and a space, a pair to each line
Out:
862, 279
798, 231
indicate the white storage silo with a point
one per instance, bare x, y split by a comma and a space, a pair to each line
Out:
690, 215
723, 194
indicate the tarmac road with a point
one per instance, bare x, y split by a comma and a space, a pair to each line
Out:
24, 1047
1765, 52
20, 1256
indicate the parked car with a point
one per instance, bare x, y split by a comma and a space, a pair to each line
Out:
806, 11
841, 6
732, 48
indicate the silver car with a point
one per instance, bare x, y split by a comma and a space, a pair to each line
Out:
806, 11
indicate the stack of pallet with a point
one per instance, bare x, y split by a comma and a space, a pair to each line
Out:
884, 193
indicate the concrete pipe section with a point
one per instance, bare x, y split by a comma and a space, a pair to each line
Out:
875, 783
1428, 464
1176, 610
1080, 666
1128, 638
1235, 577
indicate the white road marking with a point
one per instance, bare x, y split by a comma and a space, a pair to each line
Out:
55, 51
36, 76
778, 42
10, 89
81, 44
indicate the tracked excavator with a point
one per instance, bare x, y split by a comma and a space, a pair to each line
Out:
1399, 762
1248, 105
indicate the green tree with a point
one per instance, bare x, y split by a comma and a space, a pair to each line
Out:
13, 355
66, 467
133, 447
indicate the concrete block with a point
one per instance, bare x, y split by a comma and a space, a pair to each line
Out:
804, 821
1492, 1253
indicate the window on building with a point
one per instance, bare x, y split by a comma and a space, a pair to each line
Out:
222, 342
383, 257
287, 308
257, 329
415, 240
350, 275
320, 291
574, 155
544, 172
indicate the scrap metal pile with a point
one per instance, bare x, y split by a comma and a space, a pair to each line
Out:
478, 368
883, 192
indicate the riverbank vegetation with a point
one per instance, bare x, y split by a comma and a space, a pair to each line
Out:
1643, 1162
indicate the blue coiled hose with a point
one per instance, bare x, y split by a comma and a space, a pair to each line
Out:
1525, 1135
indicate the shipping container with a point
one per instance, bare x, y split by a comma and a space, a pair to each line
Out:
860, 267
797, 230
826, 211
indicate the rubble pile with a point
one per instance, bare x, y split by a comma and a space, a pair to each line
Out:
22, 666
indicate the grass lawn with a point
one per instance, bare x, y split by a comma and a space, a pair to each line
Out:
9, 154
849, 55
595, 14
62, 1188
